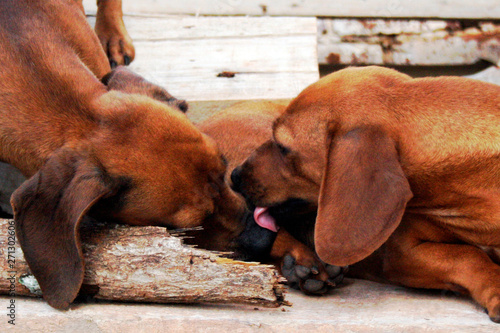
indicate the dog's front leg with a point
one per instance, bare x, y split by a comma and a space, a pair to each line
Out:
422, 255
111, 31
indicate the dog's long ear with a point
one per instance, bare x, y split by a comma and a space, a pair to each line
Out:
123, 79
48, 208
363, 195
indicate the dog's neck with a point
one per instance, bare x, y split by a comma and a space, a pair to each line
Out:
46, 84
66, 116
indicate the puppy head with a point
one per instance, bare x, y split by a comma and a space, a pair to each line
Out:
123, 79
348, 167
238, 131
283, 168
144, 163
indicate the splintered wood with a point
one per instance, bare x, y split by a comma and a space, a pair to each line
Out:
146, 264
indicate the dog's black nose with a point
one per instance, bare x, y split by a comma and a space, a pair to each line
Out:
236, 179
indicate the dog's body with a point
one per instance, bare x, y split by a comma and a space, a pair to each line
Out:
241, 128
405, 173
103, 148
238, 131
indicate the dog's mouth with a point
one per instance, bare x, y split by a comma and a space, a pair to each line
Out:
264, 219
263, 223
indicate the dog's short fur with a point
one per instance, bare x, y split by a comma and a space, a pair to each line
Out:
112, 34
405, 173
120, 150
238, 131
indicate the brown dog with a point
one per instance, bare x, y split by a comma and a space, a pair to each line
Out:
405, 173
238, 131
111, 152
112, 34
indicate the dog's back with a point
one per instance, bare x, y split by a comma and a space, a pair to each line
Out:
41, 53
241, 128
454, 150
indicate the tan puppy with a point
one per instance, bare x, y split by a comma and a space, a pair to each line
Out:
238, 131
111, 152
405, 173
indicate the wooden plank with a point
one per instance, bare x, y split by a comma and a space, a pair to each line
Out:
464, 9
406, 42
271, 57
245, 86
153, 28
491, 74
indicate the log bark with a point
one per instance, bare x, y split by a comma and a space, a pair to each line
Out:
147, 264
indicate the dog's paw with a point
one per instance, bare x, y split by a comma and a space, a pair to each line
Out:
311, 276
494, 313
115, 41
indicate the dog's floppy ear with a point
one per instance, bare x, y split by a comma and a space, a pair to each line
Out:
363, 195
48, 208
123, 79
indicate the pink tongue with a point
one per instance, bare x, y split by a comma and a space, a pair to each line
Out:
262, 218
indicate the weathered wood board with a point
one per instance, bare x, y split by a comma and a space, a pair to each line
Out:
491, 74
271, 57
340, 41
146, 264
406, 42
479, 9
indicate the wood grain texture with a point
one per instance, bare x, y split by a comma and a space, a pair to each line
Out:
479, 9
272, 58
146, 264
406, 42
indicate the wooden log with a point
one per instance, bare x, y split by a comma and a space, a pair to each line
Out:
147, 264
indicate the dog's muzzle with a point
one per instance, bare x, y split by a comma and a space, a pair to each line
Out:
255, 242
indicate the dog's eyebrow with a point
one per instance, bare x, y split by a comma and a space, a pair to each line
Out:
281, 135
275, 139
285, 133
276, 123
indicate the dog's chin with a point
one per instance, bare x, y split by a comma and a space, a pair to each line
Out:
255, 242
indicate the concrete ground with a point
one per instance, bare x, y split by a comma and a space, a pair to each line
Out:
359, 306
